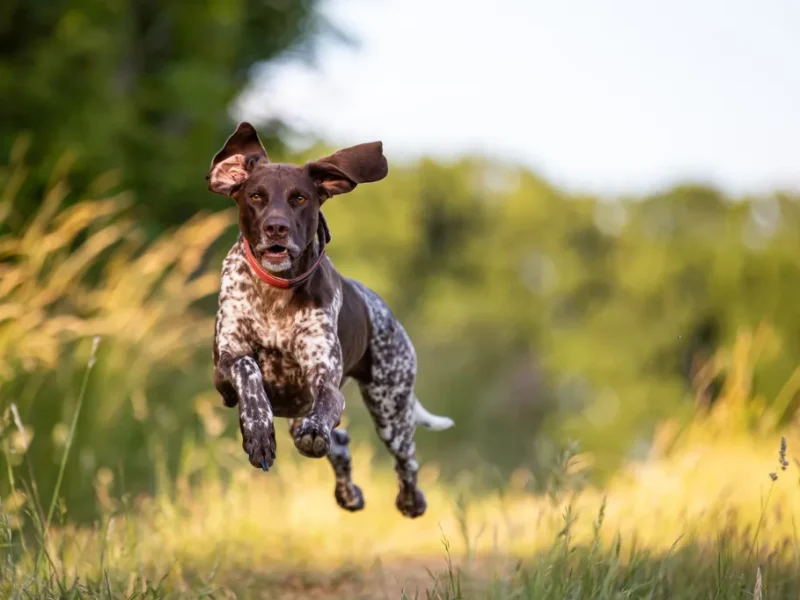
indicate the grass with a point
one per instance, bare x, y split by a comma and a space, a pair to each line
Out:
84, 270
707, 521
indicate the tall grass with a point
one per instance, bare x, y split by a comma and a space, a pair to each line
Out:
84, 270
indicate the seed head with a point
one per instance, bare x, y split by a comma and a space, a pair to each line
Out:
782, 454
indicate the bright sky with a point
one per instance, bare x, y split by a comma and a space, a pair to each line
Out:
605, 96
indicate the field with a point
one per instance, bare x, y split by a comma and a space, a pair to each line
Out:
709, 522
597, 297
123, 476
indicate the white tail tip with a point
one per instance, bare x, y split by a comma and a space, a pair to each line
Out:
429, 421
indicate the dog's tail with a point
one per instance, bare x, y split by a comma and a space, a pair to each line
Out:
429, 421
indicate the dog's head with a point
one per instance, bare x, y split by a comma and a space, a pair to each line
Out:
279, 204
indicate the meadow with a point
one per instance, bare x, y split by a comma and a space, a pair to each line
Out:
123, 475
710, 520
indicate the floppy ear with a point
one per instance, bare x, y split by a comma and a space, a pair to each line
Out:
232, 165
342, 171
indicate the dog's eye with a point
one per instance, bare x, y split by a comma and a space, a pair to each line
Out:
255, 197
300, 199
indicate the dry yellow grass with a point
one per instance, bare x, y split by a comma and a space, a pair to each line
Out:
288, 518
85, 270
286, 525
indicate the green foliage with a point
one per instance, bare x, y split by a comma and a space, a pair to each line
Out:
538, 316
138, 88
539, 313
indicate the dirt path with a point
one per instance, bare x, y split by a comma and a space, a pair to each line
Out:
379, 582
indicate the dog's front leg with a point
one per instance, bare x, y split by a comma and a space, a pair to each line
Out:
255, 412
319, 355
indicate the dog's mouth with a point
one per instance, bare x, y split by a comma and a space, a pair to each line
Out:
275, 253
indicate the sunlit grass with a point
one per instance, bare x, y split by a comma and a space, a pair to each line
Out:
83, 270
702, 505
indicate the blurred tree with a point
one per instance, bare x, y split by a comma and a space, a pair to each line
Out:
540, 315
138, 87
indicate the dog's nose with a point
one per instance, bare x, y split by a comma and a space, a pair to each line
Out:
276, 226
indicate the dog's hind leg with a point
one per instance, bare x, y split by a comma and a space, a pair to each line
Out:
348, 495
388, 393
396, 412
392, 410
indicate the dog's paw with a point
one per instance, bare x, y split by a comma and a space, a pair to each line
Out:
312, 439
411, 502
258, 442
349, 496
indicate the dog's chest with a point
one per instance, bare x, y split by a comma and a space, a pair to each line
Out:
290, 341
284, 380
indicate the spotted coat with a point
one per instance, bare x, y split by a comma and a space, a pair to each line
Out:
286, 351
278, 353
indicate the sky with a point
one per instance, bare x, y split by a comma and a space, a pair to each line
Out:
609, 97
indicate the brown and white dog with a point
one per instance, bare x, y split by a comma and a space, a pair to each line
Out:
290, 329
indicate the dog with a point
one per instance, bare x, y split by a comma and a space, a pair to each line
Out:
290, 330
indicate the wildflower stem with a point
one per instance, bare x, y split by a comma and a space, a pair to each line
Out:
71, 434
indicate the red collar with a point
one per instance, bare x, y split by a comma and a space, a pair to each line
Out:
280, 282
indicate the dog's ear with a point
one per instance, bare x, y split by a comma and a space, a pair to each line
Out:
232, 165
342, 171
